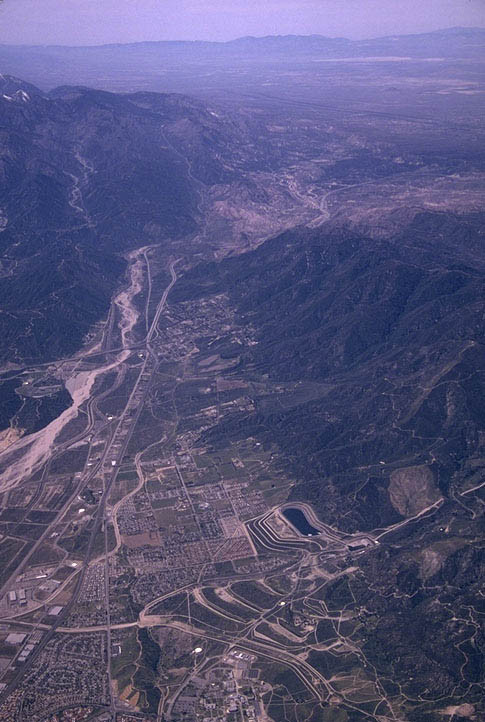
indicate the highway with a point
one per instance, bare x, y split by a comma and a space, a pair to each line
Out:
298, 554
120, 436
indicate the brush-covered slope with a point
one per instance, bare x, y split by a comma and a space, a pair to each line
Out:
86, 175
393, 331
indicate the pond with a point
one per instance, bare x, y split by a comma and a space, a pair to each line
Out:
299, 521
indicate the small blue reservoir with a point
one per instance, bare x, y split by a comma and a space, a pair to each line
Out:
299, 521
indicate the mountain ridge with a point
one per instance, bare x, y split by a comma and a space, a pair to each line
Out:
189, 65
454, 31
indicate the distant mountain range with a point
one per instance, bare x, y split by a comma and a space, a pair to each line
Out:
451, 42
50, 65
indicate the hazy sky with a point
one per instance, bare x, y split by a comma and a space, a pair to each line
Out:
91, 22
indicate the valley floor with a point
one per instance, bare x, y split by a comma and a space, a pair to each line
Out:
147, 575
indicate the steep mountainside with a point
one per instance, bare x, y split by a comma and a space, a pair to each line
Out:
394, 332
84, 176
387, 339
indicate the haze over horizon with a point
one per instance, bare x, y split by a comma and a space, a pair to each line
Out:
121, 21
